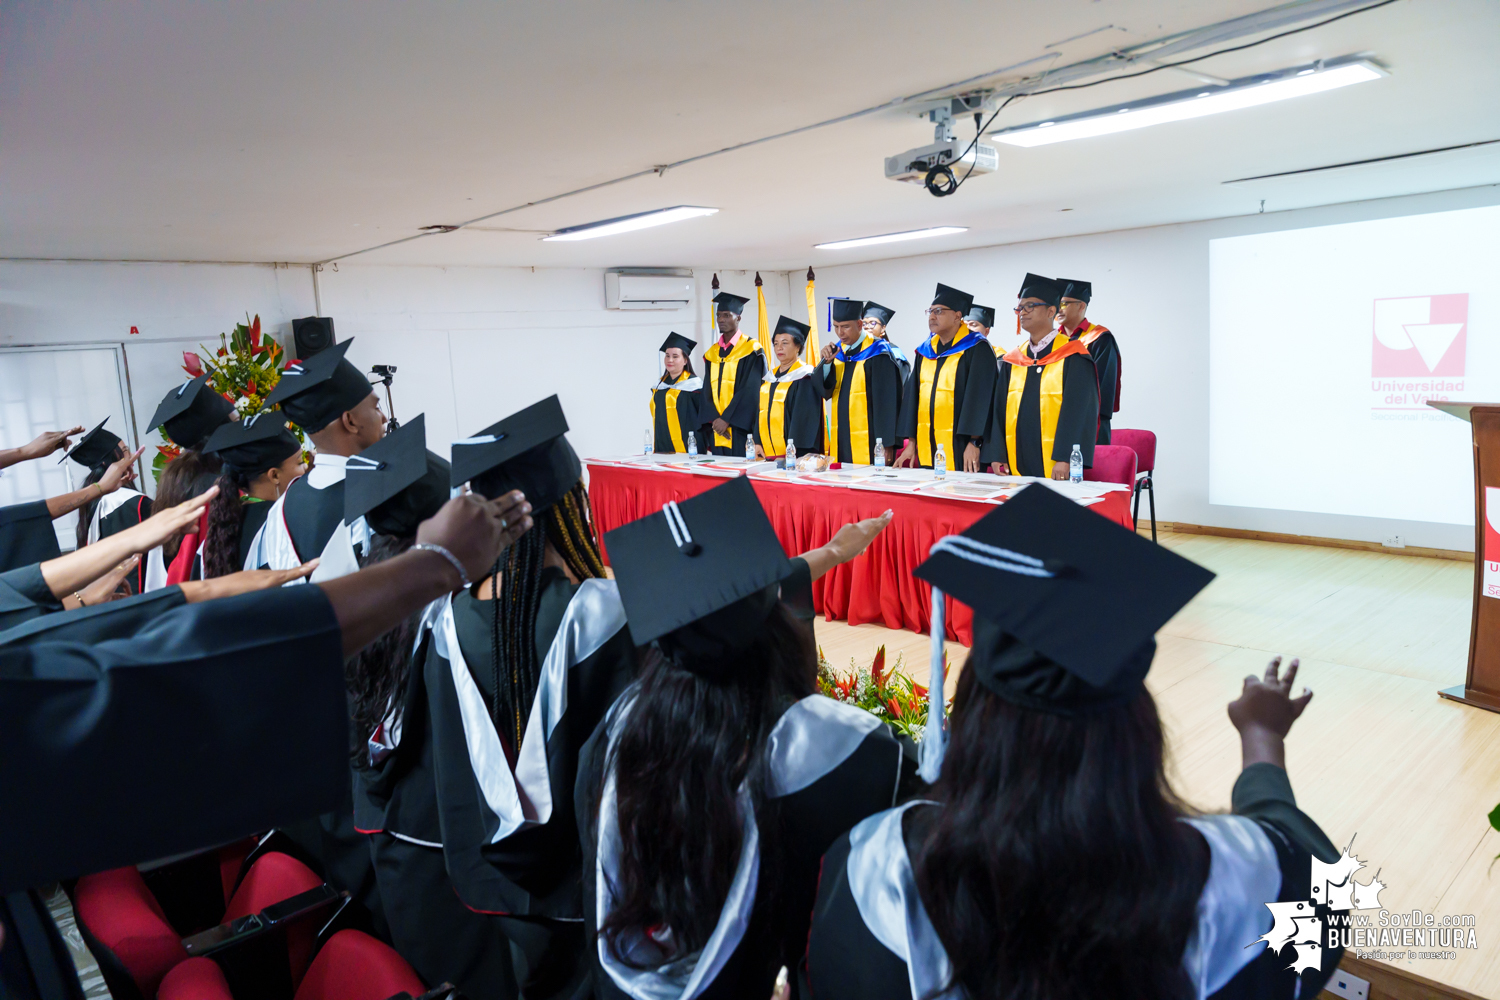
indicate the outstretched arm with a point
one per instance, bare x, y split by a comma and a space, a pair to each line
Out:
119, 474
1264, 713
850, 541
41, 446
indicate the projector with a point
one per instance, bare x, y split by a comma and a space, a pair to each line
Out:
913, 165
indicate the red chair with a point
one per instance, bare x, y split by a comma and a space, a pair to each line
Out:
195, 979
354, 966
1113, 463
119, 910
271, 879
1143, 443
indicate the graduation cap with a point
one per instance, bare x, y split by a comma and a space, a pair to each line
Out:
700, 576
396, 483
678, 341
845, 310
953, 299
797, 331
315, 392
1065, 602
191, 412
729, 302
1037, 287
876, 311
983, 315
526, 451
1080, 290
250, 446
97, 447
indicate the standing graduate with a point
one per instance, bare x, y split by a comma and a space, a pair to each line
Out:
1047, 397
718, 780
118, 505
520, 670
261, 458
980, 319
861, 377
789, 407
876, 318
1052, 832
676, 397
948, 396
733, 367
1101, 344
334, 403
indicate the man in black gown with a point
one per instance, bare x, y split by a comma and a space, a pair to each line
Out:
1101, 344
947, 398
859, 374
733, 367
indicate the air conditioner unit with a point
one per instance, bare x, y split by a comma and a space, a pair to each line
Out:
624, 290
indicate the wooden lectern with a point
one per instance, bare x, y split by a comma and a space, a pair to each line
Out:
1482, 685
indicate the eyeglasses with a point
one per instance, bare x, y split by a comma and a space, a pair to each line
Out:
1028, 306
939, 310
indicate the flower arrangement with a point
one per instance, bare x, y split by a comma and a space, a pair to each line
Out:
243, 369
891, 695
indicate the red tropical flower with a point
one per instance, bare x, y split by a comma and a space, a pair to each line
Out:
877, 666
250, 387
919, 690
255, 333
192, 364
894, 706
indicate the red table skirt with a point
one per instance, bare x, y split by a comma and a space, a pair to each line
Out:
876, 587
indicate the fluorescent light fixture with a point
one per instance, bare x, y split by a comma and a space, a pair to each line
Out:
630, 223
1245, 93
869, 241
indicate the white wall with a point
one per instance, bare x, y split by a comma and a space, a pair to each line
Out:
1151, 289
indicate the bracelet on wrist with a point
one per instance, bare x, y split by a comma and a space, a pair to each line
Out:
440, 550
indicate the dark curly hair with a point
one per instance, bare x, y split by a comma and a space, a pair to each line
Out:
226, 516
188, 475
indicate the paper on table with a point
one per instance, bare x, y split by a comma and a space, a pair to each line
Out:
835, 477
966, 490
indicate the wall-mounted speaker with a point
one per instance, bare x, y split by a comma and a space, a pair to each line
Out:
312, 334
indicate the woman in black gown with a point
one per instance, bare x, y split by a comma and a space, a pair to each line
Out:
260, 459
788, 407
675, 398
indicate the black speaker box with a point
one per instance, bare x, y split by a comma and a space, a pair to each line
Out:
312, 334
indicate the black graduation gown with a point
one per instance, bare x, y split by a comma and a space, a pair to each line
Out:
689, 420
96, 623
973, 394
312, 515
1075, 420
26, 535
1105, 351
903, 363
801, 416
126, 515
832, 765
505, 858
24, 595
883, 380
255, 518
856, 949
739, 414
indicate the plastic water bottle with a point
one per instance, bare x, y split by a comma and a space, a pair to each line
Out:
879, 455
749, 447
791, 455
650, 442
1075, 465
692, 444
940, 464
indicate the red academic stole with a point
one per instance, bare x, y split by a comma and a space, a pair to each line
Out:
1021, 359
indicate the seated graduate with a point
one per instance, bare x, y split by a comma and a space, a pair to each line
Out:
789, 407
520, 670
187, 415
675, 398
1053, 858
260, 459
1102, 346
876, 318
1047, 398
859, 374
948, 397
707, 797
732, 369
334, 403
220, 719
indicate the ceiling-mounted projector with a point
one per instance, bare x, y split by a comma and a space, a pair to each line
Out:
914, 164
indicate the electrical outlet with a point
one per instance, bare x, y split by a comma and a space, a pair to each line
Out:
1394, 542
1341, 984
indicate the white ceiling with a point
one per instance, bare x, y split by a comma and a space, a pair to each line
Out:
297, 131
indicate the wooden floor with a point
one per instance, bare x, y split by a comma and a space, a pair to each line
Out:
1377, 754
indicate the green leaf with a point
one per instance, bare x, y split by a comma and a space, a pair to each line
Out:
1495, 817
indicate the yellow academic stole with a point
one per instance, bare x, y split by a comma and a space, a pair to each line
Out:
674, 425
1089, 332
773, 411
859, 409
1051, 398
722, 369
935, 404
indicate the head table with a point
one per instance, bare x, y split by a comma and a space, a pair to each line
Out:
806, 510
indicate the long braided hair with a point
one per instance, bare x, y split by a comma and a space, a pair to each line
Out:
376, 677
226, 516
517, 583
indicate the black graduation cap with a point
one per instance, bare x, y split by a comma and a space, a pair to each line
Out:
1073, 289
701, 575
97, 447
983, 315
953, 299
526, 451
729, 302
798, 331
315, 392
678, 341
1037, 287
845, 310
259, 442
876, 311
191, 412
1067, 625
396, 483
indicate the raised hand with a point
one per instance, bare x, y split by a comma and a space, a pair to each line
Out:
1264, 713
243, 582
120, 473
476, 530
47, 442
